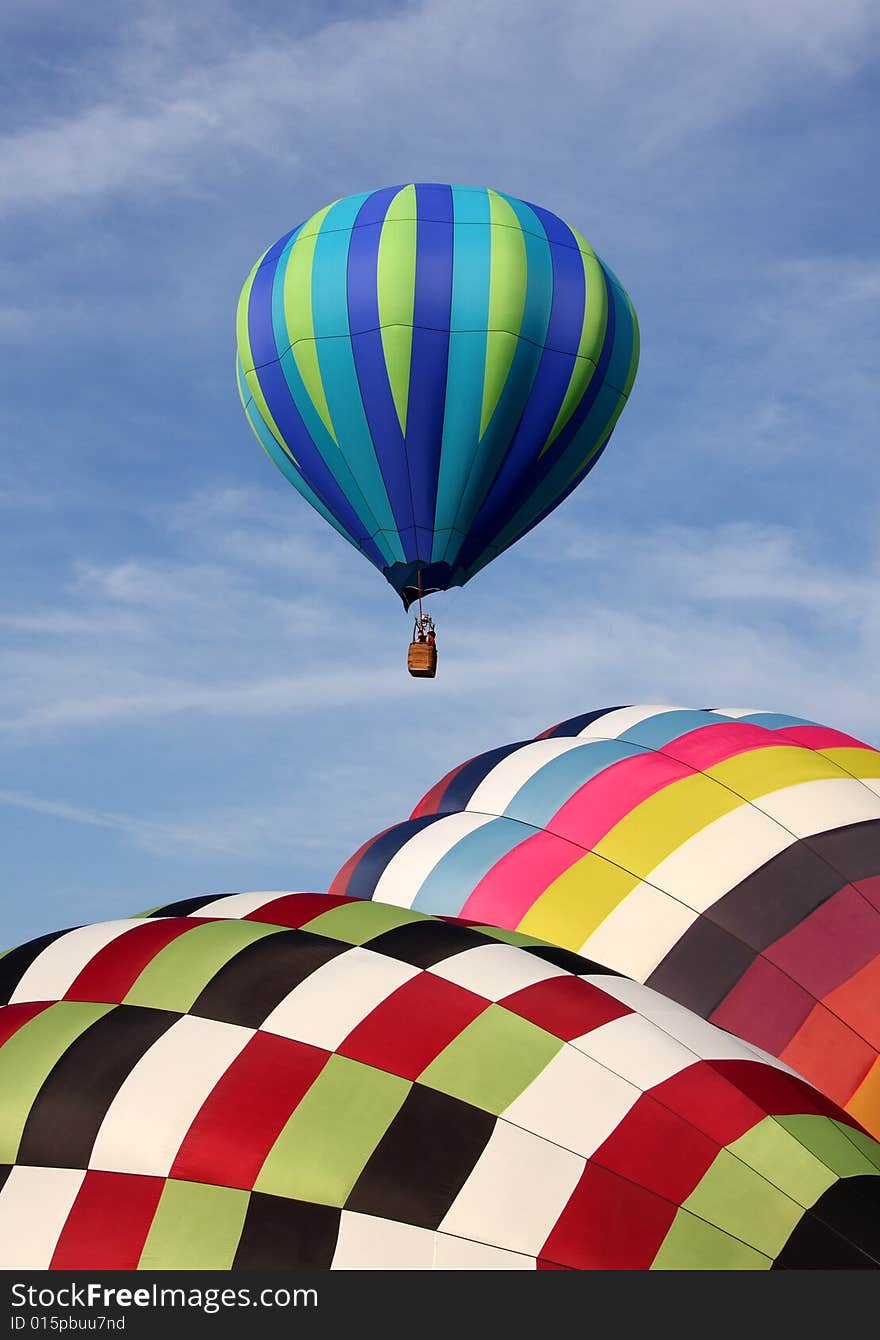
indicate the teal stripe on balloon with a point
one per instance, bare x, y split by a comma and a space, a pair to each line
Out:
314, 424
279, 320
523, 369
281, 458
583, 447
338, 371
467, 356
617, 372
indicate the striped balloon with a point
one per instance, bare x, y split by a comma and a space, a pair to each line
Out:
295, 1081
729, 859
434, 368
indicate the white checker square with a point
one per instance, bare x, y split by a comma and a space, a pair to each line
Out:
516, 1192
497, 970
325, 1008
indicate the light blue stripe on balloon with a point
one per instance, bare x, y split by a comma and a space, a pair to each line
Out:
456, 874
548, 790
312, 421
658, 730
279, 319
336, 362
281, 458
521, 375
467, 357
774, 720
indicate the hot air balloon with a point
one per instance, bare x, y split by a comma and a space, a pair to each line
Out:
729, 859
301, 1081
434, 368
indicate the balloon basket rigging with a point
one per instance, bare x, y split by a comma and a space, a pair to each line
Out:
421, 660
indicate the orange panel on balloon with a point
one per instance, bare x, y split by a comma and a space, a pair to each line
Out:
829, 1054
865, 1102
856, 1001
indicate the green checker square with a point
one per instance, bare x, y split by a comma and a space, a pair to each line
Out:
847, 1152
492, 1061
196, 1226
27, 1057
783, 1160
510, 937
864, 1143
740, 1202
358, 922
331, 1134
692, 1244
179, 973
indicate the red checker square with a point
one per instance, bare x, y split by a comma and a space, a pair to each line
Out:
765, 1006
295, 909
830, 1054
245, 1112
14, 1017
658, 1150
835, 941
609, 1223
112, 972
405, 1032
108, 1222
566, 1006
710, 1102
776, 1091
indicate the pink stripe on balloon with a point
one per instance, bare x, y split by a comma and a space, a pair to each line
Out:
507, 891
599, 804
821, 737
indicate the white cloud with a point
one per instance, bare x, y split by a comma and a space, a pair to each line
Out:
177, 100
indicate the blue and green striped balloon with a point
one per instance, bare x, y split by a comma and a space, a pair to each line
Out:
434, 368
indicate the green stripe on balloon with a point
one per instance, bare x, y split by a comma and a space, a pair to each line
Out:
298, 318
396, 286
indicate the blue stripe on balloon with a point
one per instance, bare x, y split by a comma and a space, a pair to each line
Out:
514, 399
459, 870
547, 791
520, 527
290, 472
547, 393
467, 359
337, 365
574, 725
274, 381
375, 207
430, 353
312, 421
370, 365
621, 354
465, 782
282, 244
546, 484
366, 874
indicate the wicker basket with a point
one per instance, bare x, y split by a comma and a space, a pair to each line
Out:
422, 660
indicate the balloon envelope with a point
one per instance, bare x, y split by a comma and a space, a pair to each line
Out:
731, 860
271, 1081
434, 368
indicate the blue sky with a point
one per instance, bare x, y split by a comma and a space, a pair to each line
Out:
181, 705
